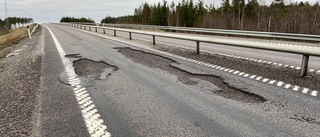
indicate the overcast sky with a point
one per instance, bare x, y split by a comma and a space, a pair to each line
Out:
52, 10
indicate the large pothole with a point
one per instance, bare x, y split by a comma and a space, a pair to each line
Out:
93, 69
163, 63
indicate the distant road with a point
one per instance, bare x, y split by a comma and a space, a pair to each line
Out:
120, 91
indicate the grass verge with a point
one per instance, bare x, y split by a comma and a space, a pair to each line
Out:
12, 37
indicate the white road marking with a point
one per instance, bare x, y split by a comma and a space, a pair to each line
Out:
305, 90
287, 86
253, 76
272, 82
91, 117
314, 93
265, 80
295, 88
280, 83
258, 78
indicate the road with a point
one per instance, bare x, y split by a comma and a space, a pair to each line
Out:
95, 85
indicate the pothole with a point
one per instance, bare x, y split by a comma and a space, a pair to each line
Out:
93, 69
163, 63
73, 56
88, 71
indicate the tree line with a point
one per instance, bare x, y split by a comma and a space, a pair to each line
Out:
295, 17
14, 22
73, 19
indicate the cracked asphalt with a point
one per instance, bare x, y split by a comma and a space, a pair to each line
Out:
140, 92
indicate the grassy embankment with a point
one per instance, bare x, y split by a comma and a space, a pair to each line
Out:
12, 37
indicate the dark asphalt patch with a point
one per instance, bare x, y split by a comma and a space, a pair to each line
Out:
163, 63
278, 73
93, 69
73, 56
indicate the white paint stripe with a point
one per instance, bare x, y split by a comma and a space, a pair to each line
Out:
272, 82
280, 83
314, 93
258, 78
253, 76
265, 80
96, 123
79, 90
287, 86
305, 90
295, 88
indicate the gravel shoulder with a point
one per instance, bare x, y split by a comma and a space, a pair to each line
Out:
20, 75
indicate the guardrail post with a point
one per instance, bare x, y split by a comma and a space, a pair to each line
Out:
114, 32
104, 31
198, 47
89, 28
130, 36
85, 28
96, 29
154, 39
304, 66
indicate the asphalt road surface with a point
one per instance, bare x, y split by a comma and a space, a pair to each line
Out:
98, 86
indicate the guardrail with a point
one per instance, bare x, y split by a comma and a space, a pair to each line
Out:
305, 51
288, 36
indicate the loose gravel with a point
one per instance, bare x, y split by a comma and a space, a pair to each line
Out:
156, 61
278, 73
19, 87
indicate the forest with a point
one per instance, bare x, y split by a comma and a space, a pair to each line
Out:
14, 22
73, 19
253, 15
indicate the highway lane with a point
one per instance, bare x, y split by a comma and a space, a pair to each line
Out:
278, 57
139, 100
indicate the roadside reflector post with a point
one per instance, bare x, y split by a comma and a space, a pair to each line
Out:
96, 29
130, 36
198, 47
154, 39
304, 66
104, 31
29, 32
114, 32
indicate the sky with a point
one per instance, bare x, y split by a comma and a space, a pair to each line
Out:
43, 11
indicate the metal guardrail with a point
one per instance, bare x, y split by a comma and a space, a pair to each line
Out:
288, 36
305, 51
